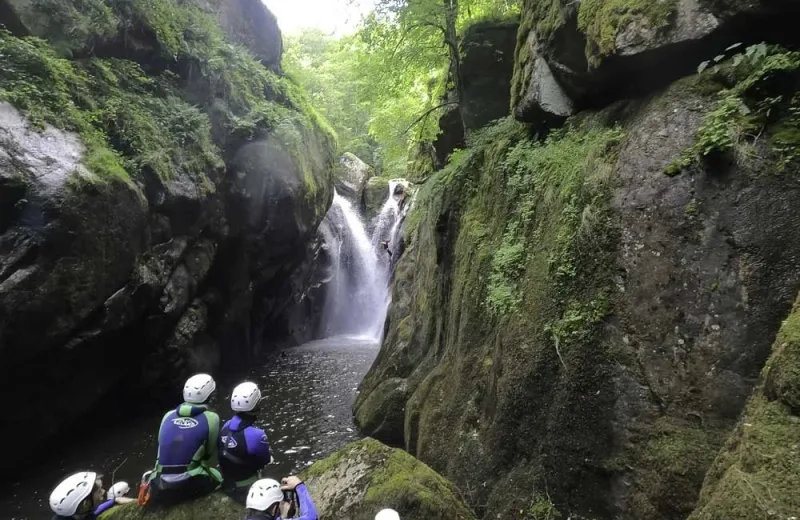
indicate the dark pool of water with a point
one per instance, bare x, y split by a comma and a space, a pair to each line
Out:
309, 392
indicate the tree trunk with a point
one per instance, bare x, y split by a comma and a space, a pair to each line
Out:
451, 40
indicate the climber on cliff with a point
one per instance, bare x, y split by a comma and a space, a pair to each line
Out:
81, 497
187, 443
266, 497
387, 514
243, 448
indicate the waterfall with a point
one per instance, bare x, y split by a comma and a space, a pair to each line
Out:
357, 296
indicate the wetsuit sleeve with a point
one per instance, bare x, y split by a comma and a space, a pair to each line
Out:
102, 508
260, 447
307, 509
213, 435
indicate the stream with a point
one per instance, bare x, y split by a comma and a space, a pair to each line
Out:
309, 392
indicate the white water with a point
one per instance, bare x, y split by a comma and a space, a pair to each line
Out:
357, 296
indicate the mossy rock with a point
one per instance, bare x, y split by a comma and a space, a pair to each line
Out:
757, 474
366, 476
375, 193
381, 414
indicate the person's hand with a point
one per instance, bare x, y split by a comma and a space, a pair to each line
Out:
290, 483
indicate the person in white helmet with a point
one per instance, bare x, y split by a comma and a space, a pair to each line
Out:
187, 443
81, 497
265, 497
243, 448
387, 514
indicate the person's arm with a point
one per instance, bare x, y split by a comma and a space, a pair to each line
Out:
105, 506
307, 509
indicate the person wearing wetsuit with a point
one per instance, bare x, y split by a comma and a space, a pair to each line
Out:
81, 497
265, 496
187, 445
243, 448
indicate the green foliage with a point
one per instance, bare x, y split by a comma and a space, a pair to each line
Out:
763, 98
380, 87
72, 25
565, 174
603, 20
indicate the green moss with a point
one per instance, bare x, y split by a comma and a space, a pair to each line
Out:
603, 20
763, 98
757, 474
71, 25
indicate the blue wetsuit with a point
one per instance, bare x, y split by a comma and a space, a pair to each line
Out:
187, 443
244, 451
307, 509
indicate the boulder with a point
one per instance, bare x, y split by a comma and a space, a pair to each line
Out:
366, 476
601, 51
351, 176
375, 194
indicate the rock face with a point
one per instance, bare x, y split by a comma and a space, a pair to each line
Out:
153, 219
599, 51
355, 482
351, 176
573, 330
487, 63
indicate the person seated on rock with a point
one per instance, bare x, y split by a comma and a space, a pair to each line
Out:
266, 496
243, 448
81, 496
387, 514
187, 443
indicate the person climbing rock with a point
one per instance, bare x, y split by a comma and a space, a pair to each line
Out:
385, 246
387, 514
187, 443
265, 497
81, 496
243, 448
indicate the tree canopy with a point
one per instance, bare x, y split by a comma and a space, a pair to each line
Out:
380, 87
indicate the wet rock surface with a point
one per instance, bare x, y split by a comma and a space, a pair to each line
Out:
351, 176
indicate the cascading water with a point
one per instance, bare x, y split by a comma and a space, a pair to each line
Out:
358, 292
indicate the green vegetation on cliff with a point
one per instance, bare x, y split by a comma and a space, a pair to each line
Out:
136, 121
763, 98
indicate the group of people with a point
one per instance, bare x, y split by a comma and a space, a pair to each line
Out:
190, 439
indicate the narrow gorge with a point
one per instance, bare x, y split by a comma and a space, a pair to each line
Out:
543, 254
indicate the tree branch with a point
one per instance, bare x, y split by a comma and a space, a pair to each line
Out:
426, 114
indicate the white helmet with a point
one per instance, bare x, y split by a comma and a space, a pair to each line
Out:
68, 495
120, 489
199, 388
245, 397
263, 494
387, 514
